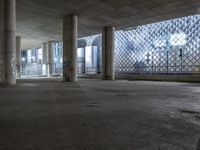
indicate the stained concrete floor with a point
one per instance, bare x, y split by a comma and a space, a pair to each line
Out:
99, 115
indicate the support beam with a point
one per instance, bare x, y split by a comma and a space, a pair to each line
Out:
8, 34
108, 47
50, 58
70, 31
18, 55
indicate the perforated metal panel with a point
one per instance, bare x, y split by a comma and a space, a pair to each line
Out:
166, 47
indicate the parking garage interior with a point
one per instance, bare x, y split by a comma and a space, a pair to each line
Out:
99, 75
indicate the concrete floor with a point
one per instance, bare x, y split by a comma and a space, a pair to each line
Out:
99, 115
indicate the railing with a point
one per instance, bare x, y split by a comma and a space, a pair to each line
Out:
159, 70
32, 70
89, 72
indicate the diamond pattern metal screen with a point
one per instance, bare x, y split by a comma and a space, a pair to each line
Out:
171, 46
166, 47
94, 40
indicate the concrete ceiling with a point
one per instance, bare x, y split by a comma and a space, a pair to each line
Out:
41, 20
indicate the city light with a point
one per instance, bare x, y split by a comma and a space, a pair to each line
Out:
23, 59
178, 39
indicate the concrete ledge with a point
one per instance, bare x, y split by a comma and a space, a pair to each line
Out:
195, 78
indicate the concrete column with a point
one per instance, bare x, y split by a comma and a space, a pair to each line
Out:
50, 58
45, 56
198, 144
108, 47
45, 53
70, 31
1, 41
8, 17
18, 55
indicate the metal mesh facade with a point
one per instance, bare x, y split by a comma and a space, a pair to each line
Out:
31, 63
166, 47
90, 41
94, 40
57, 58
